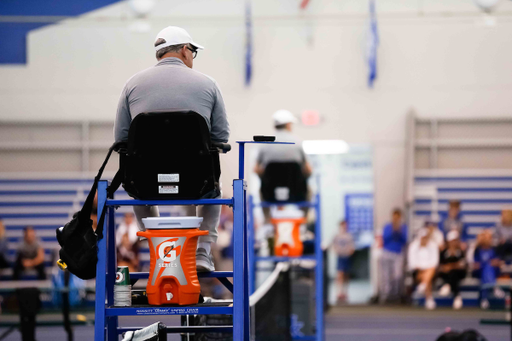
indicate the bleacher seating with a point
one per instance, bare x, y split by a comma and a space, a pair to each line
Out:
482, 199
47, 204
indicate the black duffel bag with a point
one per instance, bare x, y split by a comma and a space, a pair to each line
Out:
78, 241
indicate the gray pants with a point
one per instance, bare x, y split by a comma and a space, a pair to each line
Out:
391, 275
209, 213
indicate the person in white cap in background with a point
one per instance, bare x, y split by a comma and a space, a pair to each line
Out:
283, 124
452, 268
172, 84
423, 259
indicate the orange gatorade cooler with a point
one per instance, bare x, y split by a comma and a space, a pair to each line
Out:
287, 228
172, 249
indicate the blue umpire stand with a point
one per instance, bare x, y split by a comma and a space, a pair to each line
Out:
106, 314
317, 257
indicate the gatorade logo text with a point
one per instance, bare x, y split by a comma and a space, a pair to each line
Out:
167, 251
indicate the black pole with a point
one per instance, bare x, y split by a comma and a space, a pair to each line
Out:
65, 307
30, 304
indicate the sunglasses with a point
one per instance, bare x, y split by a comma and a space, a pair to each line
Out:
194, 52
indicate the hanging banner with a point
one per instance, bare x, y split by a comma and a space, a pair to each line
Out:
248, 42
372, 44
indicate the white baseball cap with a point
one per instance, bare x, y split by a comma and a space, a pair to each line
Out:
174, 35
283, 116
452, 235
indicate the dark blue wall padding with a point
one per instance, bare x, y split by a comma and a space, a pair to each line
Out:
13, 41
51, 7
13, 46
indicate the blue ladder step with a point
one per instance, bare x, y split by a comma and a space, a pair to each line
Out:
283, 259
213, 274
134, 202
185, 329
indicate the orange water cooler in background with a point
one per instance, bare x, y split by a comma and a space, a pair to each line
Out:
287, 232
172, 247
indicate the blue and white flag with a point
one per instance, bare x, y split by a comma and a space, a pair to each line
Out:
248, 43
372, 44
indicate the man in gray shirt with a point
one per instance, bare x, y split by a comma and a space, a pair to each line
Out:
283, 124
504, 228
503, 235
30, 255
173, 84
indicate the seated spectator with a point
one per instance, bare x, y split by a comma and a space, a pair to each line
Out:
128, 254
453, 222
423, 258
434, 233
394, 238
344, 247
486, 267
452, 268
504, 236
3, 247
30, 255
127, 226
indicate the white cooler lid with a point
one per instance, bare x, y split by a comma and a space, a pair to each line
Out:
287, 214
166, 223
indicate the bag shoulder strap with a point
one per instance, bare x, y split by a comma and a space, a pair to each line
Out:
114, 185
86, 210
116, 182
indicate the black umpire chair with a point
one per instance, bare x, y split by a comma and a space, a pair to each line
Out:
170, 155
284, 182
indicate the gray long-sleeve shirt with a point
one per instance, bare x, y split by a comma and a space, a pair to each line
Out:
282, 153
169, 85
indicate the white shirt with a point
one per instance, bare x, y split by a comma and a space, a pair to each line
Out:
422, 258
131, 229
437, 237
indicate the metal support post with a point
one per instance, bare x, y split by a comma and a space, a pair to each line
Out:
319, 272
250, 249
241, 160
99, 324
240, 293
112, 321
247, 320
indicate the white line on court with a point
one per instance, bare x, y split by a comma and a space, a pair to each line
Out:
398, 331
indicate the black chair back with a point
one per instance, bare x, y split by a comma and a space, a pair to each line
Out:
284, 182
170, 156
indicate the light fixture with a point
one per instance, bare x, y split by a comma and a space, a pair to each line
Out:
141, 8
486, 5
319, 147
